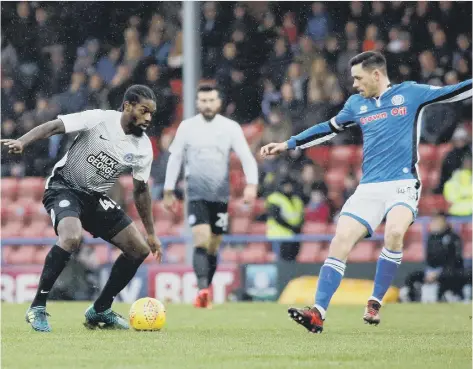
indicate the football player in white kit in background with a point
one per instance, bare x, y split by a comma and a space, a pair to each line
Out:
204, 143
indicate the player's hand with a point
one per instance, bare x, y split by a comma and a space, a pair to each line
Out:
249, 194
154, 244
14, 146
274, 148
169, 200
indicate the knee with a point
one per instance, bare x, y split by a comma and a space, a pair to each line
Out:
341, 245
139, 251
202, 239
70, 241
393, 238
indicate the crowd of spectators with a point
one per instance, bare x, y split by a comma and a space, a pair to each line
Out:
283, 63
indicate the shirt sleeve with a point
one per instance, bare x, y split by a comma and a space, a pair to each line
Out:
142, 170
324, 131
248, 161
179, 143
81, 121
435, 94
176, 149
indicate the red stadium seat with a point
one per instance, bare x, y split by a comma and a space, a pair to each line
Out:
363, 252
314, 228
235, 163
132, 211
127, 182
258, 246
13, 213
177, 229
239, 225
343, 155
259, 207
38, 213
441, 152
258, 228
101, 253
335, 179
176, 253
40, 254
9, 188
176, 87
31, 187
428, 155
467, 253
428, 204
434, 177
358, 156
238, 208
35, 230
322, 254
466, 232
309, 251
229, 255
253, 131
163, 227
414, 252
425, 178
22, 255
319, 154
414, 233
253, 255
237, 182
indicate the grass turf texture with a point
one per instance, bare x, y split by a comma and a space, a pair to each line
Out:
258, 335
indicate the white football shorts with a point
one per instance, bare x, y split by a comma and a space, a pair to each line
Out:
371, 202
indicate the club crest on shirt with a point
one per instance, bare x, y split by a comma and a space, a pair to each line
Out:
363, 109
397, 100
129, 157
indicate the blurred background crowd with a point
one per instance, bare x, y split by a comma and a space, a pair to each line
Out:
281, 66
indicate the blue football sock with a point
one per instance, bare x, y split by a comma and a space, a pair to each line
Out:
330, 276
386, 268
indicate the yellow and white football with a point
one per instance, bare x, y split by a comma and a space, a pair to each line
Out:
147, 314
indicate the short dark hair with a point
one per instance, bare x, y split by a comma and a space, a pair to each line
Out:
208, 88
370, 60
136, 93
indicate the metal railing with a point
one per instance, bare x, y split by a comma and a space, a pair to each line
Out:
237, 239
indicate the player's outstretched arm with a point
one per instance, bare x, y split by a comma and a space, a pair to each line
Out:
44, 130
316, 134
434, 94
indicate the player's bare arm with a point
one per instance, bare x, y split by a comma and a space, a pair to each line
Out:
44, 130
142, 198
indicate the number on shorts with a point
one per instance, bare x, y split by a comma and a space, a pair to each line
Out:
222, 221
108, 204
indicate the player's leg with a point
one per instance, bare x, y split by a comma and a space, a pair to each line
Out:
107, 220
398, 220
214, 245
219, 227
64, 208
201, 235
199, 220
360, 216
349, 231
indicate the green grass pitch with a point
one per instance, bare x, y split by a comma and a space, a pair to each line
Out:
245, 335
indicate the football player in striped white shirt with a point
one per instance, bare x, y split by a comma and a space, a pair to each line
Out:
108, 144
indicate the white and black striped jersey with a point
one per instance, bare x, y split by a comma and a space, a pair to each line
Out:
205, 148
100, 153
